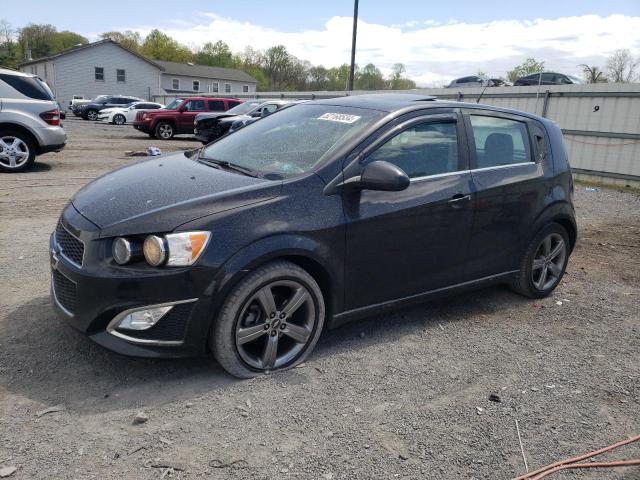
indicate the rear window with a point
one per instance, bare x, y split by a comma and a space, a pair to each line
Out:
32, 87
500, 141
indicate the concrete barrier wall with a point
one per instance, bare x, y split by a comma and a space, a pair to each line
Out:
601, 122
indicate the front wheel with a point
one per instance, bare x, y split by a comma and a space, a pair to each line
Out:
544, 262
165, 131
270, 321
119, 119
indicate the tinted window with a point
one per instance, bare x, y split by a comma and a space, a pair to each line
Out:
195, 106
232, 104
215, 104
422, 150
293, 141
31, 87
500, 141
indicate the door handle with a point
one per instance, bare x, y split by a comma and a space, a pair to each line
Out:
458, 200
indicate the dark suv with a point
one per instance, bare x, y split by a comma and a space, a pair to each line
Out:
548, 78
328, 211
89, 111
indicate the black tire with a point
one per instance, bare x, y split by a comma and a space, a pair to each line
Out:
529, 281
119, 119
165, 130
92, 115
222, 339
25, 144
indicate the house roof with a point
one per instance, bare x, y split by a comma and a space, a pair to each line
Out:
85, 46
204, 71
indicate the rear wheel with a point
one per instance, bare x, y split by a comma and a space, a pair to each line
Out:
544, 262
119, 119
17, 151
165, 131
270, 321
92, 115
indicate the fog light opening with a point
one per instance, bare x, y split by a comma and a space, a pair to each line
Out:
143, 319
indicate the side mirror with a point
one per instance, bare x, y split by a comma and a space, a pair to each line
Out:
381, 176
256, 114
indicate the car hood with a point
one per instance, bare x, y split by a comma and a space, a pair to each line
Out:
161, 194
212, 115
234, 118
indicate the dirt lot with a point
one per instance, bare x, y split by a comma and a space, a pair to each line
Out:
403, 395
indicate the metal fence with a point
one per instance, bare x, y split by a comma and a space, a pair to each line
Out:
601, 122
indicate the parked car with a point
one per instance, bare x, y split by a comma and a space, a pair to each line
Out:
322, 213
122, 115
77, 100
177, 118
244, 120
29, 120
89, 111
208, 126
548, 78
477, 81
63, 110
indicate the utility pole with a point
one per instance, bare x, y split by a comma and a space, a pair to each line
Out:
353, 45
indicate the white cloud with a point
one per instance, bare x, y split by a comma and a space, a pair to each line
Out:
432, 53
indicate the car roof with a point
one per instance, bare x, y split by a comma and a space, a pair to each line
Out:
8, 71
386, 102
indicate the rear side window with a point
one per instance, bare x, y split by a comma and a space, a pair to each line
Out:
422, 150
215, 105
195, 106
500, 141
233, 104
31, 87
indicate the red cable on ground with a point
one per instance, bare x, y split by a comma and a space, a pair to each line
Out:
620, 463
571, 462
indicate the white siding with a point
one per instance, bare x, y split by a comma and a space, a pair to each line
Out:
74, 74
186, 84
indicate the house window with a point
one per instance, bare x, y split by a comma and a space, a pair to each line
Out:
196, 86
215, 87
99, 74
245, 89
227, 88
120, 75
175, 84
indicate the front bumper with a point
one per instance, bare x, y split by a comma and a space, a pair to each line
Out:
91, 295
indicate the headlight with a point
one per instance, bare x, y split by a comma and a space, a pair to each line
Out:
175, 249
125, 250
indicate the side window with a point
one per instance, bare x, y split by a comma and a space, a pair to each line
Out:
121, 75
195, 106
269, 109
196, 86
245, 88
227, 88
175, 84
500, 141
422, 150
232, 104
215, 105
99, 73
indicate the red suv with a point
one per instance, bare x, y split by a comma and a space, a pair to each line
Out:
177, 117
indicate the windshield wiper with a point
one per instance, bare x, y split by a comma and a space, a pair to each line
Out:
230, 166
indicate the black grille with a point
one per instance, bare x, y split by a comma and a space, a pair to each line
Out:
171, 327
65, 291
70, 246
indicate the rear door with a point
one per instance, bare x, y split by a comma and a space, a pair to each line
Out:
216, 106
511, 178
404, 243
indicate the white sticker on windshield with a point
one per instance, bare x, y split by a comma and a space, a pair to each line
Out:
339, 117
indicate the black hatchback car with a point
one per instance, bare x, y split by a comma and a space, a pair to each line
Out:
328, 211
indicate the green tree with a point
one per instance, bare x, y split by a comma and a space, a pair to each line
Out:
529, 66
66, 39
8, 46
370, 78
128, 39
276, 63
215, 55
160, 46
397, 81
318, 78
37, 40
339, 76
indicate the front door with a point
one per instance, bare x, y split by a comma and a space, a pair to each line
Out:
404, 243
185, 120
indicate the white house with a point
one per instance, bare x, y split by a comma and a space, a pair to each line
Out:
107, 68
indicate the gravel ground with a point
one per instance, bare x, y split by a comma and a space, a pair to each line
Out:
401, 395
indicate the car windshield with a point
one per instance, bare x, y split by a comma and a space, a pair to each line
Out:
243, 108
292, 142
130, 105
99, 98
175, 104
575, 79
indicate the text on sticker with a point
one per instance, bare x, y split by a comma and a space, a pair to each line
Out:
339, 117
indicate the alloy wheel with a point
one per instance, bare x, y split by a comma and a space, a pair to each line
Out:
165, 131
92, 115
119, 119
548, 261
275, 325
14, 152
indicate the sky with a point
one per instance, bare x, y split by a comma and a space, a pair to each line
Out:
436, 40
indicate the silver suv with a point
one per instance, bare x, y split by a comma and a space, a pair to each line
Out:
29, 120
